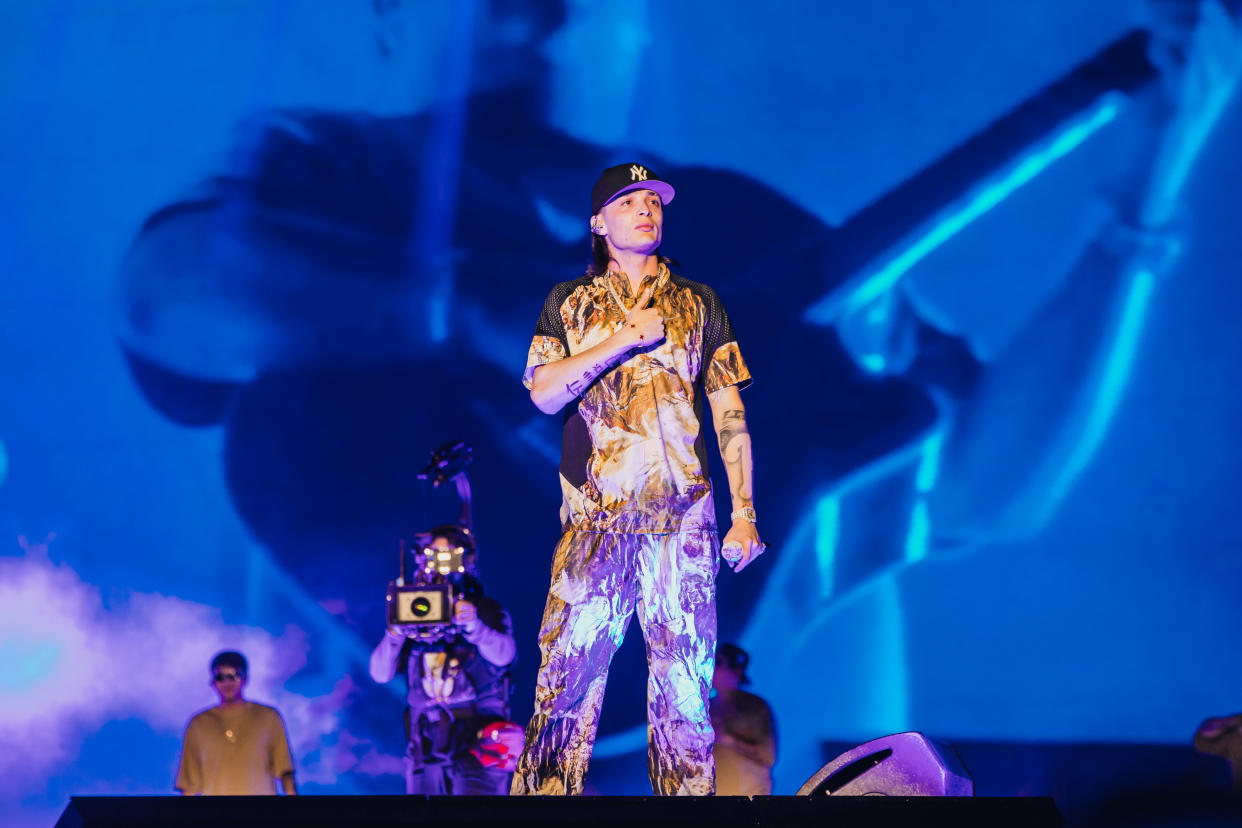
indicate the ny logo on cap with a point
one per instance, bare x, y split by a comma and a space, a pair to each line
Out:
638, 173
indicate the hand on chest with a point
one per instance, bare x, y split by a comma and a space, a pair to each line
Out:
677, 352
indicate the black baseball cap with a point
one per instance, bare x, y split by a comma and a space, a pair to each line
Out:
735, 658
625, 177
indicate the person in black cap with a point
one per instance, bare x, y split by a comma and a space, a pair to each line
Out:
1222, 736
635, 349
745, 748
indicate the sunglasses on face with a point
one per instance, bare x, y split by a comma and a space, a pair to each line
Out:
219, 677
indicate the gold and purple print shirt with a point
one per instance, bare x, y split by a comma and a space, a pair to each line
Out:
632, 454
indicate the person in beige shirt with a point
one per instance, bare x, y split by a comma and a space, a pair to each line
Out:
238, 747
745, 747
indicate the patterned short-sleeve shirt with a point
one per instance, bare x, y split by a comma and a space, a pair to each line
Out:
632, 453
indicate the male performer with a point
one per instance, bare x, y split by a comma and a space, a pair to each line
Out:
745, 749
237, 747
635, 349
459, 738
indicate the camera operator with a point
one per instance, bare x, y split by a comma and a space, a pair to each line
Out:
459, 737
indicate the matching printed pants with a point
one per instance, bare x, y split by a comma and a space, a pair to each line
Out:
598, 581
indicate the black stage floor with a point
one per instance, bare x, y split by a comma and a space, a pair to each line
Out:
593, 812
1155, 810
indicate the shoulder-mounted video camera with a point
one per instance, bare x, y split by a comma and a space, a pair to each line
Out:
444, 568
423, 606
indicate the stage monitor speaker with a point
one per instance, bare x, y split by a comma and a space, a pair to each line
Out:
904, 764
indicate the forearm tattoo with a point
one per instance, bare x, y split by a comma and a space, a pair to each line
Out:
577, 387
732, 423
735, 452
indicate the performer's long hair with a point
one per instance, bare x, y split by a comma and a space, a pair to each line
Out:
600, 257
